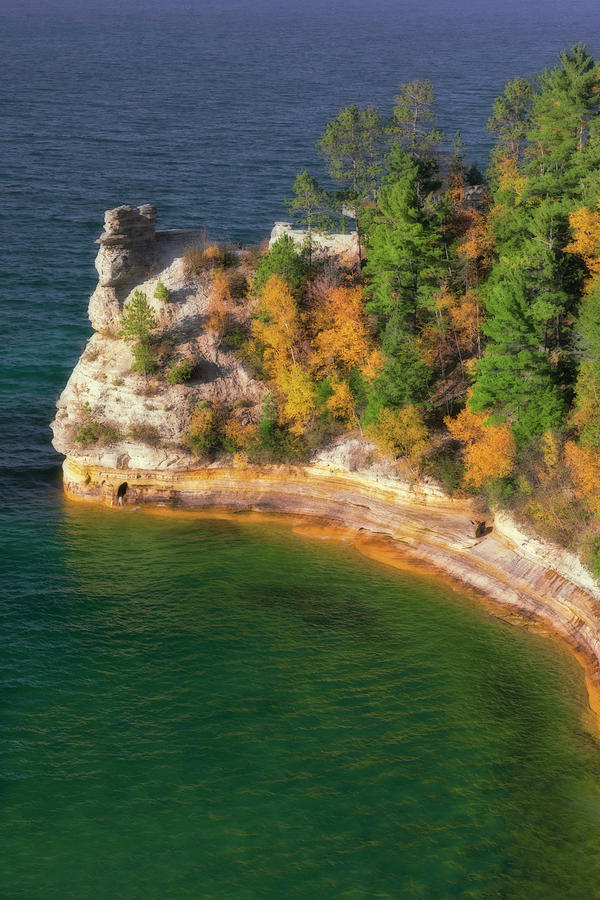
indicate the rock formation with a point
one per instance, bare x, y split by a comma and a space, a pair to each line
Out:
127, 255
147, 418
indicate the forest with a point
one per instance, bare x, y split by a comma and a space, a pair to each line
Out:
466, 337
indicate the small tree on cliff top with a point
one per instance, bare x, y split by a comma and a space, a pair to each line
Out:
138, 321
137, 324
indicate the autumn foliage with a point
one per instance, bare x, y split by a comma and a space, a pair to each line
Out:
341, 338
585, 226
401, 432
489, 449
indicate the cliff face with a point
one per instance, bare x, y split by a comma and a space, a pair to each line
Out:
148, 416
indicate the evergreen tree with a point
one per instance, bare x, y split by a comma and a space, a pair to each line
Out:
138, 320
353, 147
515, 380
403, 271
510, 120
311, 204
405, 251
283, 259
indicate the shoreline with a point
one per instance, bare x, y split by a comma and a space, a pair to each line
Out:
405, 526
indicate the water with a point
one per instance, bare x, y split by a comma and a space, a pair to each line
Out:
219, 710
223, 709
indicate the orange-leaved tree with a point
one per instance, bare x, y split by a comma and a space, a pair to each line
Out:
583, 464
489, 449
341, 337
585, 226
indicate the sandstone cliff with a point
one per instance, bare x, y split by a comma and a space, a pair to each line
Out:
146, 418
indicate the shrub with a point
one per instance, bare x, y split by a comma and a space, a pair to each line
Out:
238, 285
94, 432
88, 433
238, 436
193, 259
199, 257
144, 433
219, 302
449, 469
144, 359
162, 293
203, 435
179, 373
401, 432
213, 256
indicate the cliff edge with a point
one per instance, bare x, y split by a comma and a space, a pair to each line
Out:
141, 420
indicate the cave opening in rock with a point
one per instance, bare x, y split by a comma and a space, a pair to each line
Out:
122, 490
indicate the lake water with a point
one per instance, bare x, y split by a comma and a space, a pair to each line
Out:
227, 710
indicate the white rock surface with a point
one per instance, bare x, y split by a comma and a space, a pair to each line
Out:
104, 389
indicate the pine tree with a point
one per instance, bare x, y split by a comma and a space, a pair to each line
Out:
515, 380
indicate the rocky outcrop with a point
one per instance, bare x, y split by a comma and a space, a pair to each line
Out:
142, 421
126, 255
323, 243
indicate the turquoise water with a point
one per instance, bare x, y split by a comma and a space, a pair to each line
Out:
210, 708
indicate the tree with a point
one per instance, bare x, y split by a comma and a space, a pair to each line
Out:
341, 337
277, 325
311, 203
297, 385
137, 324
489, 451
353, 147
413, 113
515, 380
283, 260
405, 251
401, 432
510, 119
138, 320
341, 402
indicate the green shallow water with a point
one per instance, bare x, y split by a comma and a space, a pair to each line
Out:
198, 708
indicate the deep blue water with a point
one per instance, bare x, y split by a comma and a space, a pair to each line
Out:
208, 109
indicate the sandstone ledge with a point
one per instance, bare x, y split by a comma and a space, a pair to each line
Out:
386, 518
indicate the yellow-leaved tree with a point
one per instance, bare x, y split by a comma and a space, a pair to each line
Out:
585, 225
298, 388
401, 432
276, 325
341, 337
489, 449
341, 403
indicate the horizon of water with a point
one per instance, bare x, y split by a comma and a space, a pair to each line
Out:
115, 630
